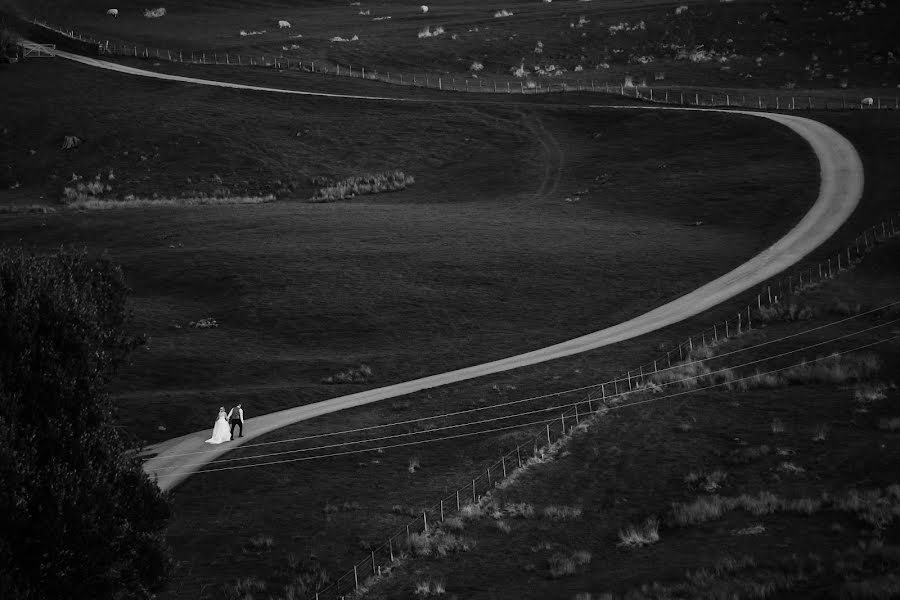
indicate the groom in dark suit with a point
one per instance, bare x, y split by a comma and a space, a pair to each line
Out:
236, 418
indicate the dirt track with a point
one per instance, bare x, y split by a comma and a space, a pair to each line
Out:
840, 190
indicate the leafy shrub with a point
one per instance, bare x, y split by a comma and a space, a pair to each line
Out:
63, 331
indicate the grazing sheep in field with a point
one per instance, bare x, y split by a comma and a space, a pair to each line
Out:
113, 12
867, 102
284, 25
424, 8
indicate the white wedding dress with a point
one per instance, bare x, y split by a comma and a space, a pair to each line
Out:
221, 432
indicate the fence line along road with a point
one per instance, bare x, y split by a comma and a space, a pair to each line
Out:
448, 82
840, 190
555, 431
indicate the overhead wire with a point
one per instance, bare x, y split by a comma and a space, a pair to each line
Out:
530, 424
679, 365
527, 413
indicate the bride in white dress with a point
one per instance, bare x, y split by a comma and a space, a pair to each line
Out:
220, 430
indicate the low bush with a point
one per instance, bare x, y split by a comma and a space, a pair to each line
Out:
360, 374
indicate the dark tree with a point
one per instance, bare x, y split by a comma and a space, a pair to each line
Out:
78, 516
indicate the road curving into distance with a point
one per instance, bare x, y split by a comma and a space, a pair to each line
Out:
840, 190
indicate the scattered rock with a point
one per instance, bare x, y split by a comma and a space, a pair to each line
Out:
207, 323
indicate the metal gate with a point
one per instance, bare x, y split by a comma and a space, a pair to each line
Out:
32, 50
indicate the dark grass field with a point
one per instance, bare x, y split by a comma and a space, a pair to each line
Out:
807, 44
631, 464
299, 525
481, 258
628, 467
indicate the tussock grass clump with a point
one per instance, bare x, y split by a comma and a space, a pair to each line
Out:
360, 374
502, 526
784, 311
259, 543
567, 564
836, 368
708, 482
520, 510
414, 463
427, 589
701, 510
821, 433
866, 393
562, 513
875, 507
777, 425
640, 535
710, 508
791, 467
154, 13
387, 181
453, 524
440, 543
244, 588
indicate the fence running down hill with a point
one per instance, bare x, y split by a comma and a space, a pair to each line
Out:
573, 407
601, 397
817, 100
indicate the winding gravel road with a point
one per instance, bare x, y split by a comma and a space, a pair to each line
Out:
840, 190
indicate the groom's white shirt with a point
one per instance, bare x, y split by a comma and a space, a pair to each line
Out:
240, 414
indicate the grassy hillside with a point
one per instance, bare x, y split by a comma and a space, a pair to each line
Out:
541, 222
825, 44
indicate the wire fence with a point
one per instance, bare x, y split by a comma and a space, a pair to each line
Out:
474, 84
602, 397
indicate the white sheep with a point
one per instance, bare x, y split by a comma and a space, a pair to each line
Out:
113, 12
284, 25
867, 102
424, 8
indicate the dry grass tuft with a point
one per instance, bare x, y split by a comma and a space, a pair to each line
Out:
438, 543
568, 564
562, 513
244, 588
640, 535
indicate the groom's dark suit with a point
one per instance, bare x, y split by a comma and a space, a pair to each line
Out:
236, 418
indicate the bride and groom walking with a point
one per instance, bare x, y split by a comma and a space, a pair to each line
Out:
221, 431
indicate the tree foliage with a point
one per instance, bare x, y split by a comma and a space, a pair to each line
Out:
78, 516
